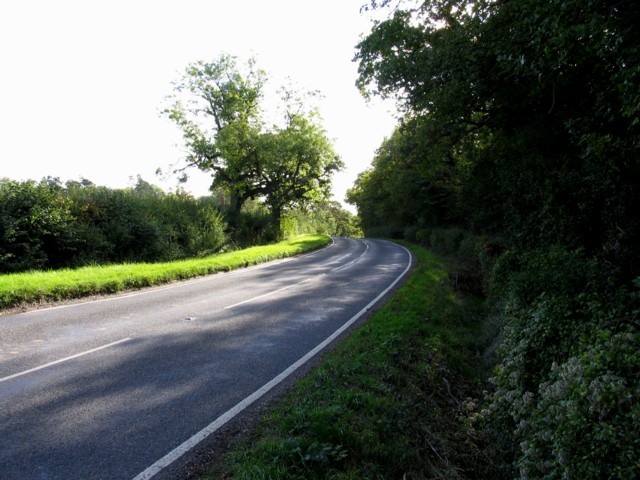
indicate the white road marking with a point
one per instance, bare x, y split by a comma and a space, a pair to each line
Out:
31, 370
269, 293
176, 453
352, 262
337, 260
341, 267
345, 266
206, 278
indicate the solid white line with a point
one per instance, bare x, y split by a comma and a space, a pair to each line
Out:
4, 379
172, 456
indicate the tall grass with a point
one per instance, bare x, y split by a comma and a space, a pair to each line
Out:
35, 286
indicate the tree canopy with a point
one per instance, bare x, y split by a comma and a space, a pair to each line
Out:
529, 112
520, 147
218, 108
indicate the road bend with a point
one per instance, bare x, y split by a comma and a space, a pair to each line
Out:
122, 387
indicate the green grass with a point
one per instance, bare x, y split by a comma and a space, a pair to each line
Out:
394, 400
37, 286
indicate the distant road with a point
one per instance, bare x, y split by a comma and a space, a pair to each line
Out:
120, 388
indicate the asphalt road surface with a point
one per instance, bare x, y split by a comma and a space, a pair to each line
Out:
122, 387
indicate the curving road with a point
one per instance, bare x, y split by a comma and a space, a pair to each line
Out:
121, 388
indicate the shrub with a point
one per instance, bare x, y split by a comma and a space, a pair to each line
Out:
35, 224
45, 225
586, 422
252, 226
446, 241
568, 377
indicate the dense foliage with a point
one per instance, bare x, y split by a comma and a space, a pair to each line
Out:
520, 149
48, 224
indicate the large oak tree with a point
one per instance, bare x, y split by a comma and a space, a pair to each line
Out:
217, 106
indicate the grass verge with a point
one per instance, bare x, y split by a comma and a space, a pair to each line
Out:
394, 400
36, 286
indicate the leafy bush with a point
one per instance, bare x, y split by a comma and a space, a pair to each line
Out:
35, 224
586, 421
473, 255
446, 241
144, 224
325, 218
47, 225
188, 227
252, 226
568, 377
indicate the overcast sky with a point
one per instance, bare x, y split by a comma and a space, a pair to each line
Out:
82, 82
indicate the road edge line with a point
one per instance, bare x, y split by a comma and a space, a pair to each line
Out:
177, 452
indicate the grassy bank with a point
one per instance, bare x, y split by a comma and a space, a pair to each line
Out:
36, 286
394, 400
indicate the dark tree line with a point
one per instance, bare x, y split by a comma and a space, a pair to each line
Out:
48, 224
520, 149
521, 116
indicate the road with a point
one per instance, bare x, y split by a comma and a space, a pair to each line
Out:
122, 387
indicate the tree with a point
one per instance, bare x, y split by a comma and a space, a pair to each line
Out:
298, 163
534, 107
221, 121
217, 108
408, 184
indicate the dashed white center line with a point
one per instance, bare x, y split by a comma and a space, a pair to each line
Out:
269, 293
190, 443
365, 250
35, 369
338, 268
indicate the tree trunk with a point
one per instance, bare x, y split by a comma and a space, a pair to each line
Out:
236, 202
276, 216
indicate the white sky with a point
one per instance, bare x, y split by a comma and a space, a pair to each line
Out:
82, 82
